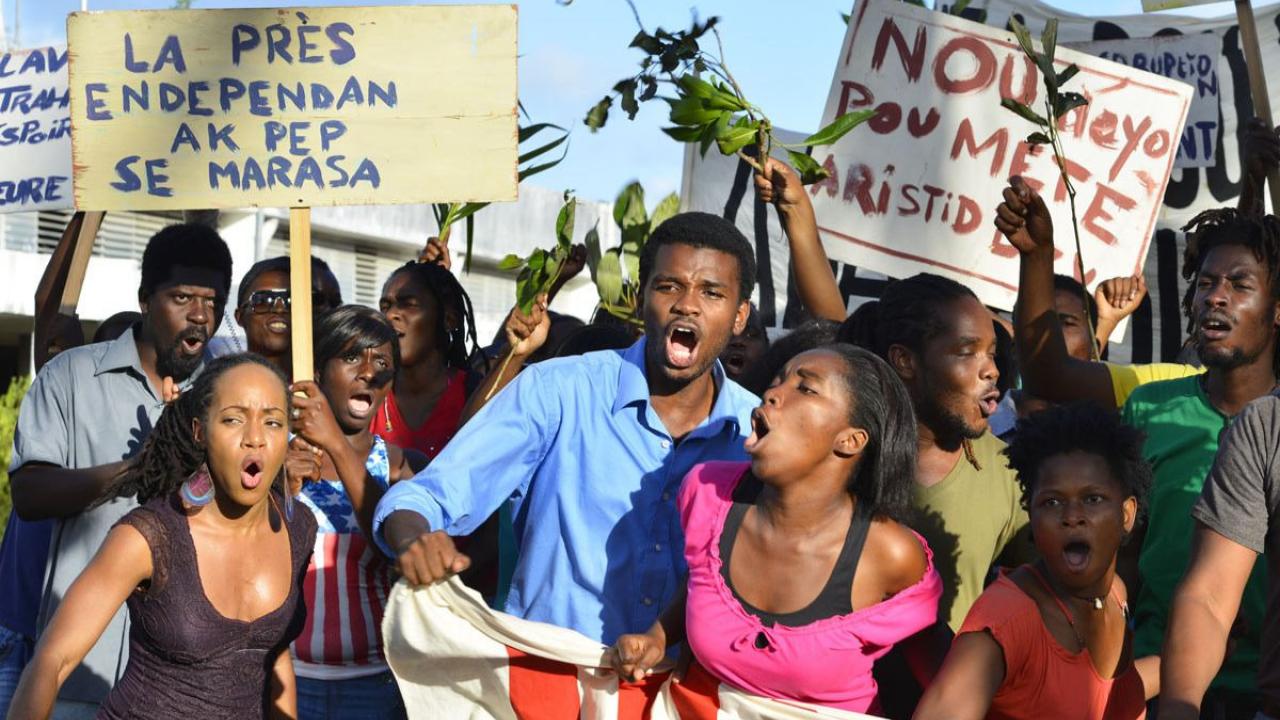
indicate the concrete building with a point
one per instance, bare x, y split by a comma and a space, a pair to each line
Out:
362, 245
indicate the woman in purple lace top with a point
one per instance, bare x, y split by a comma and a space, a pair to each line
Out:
210, 565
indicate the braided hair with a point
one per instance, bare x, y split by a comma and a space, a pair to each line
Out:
1227, 226
908, 313
458, 344
171, 453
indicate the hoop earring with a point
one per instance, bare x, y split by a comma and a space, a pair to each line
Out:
197, 489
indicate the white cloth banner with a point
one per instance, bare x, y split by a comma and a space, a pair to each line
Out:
35, 130
455, 658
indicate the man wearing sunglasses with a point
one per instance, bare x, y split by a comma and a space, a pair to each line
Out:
263, 304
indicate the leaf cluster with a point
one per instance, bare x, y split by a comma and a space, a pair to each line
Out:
665, 54
1057, 101
709, 107
448, 214
539, 272
616, 271
10, 401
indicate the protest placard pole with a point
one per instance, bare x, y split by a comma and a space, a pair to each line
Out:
300, 291
1257, 84
85, 236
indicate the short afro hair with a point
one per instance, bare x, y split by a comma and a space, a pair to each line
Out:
1080, 427
187, 244
702, 230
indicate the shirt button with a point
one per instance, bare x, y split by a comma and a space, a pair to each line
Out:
647, 601
657, 547
666, 444
666, 496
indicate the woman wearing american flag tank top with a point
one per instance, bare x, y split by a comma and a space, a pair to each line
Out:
344, 469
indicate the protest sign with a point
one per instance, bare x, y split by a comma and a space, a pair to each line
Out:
293, 107
915, 190
1157, 5
722, 186
35, 130
1192, 59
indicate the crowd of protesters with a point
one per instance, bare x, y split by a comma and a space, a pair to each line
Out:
918, 509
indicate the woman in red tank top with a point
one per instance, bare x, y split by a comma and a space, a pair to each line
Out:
432, 316
1051, 639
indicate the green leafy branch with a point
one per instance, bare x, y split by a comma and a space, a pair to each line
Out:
448, 214
539, 272
1057, 103
714, 110
620, 291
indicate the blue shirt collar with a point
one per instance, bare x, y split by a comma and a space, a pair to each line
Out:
122, 354
633, 386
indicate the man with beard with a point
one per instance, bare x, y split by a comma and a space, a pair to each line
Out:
88, 411
941, 341
591, 450
1232, 261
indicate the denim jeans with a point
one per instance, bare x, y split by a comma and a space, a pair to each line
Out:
15, 652
374, 696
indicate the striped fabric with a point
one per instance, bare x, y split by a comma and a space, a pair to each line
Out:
454, 657
345, 587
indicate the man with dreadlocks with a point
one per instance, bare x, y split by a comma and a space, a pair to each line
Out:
941, 341
1233, 263
89, 410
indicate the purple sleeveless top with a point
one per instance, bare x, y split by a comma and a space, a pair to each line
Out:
185, 658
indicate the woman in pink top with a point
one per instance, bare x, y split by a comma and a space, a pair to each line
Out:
799, 577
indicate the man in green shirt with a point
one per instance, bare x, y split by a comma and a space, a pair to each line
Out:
1233, 261
1182, 427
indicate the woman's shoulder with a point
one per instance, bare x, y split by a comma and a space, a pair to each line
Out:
903, 555
154, 517
1005, 610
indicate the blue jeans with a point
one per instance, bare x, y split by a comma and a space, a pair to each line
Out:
15, 652
374, 696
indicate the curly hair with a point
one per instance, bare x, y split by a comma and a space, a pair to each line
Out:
458, 344
1228, 226
701, 230
171, 452
1080, 427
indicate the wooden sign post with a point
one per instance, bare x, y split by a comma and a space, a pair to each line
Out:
1257, 84
58, 292
300, 292
293, 107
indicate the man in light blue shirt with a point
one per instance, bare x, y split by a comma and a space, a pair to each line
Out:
592, 450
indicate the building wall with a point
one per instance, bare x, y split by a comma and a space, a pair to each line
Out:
362, 245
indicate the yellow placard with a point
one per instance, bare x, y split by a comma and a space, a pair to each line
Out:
184, 109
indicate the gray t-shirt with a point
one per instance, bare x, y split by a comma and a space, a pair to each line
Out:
1241, 502
89, 406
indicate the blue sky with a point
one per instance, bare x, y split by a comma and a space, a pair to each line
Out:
782, 53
